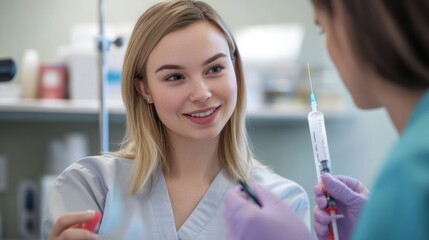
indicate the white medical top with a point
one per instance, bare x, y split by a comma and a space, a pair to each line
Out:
102, 183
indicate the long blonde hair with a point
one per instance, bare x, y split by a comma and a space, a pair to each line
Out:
145, 140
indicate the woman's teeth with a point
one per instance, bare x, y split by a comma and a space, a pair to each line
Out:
203, 114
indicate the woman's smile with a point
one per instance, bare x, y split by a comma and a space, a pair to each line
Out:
204, 116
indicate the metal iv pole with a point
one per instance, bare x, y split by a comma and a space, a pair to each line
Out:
103, 47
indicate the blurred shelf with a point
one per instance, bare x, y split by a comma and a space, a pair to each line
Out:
54, 106
87, 110
55, 110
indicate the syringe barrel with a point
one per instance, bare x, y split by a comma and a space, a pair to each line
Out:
319, 142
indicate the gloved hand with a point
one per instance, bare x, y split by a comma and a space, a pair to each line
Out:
350, 196
274, 220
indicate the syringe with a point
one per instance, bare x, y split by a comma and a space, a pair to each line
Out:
319, 141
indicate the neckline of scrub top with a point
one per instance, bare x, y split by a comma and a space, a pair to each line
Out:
200, 216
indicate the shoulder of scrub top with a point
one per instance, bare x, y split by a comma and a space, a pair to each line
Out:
287, 190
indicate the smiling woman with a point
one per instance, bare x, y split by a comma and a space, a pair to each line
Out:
193, 86
185, 143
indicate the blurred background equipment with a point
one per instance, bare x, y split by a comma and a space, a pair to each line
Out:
27, 209
270, 54
29, 71
52, 80
7, 70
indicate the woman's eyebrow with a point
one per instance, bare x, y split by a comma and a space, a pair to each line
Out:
212, 59
169, 66
178, 67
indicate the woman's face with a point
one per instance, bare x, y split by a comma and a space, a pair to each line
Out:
356, 77
192, 82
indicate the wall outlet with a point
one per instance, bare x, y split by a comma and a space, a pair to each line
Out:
3, 174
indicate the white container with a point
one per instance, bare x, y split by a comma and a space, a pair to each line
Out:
83, 74
76, 145
64, 151
46, 184
29, 73
3, 174
56, 157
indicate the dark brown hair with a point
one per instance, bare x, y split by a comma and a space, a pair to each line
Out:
390, 36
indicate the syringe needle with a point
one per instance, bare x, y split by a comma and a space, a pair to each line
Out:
309, 76
312, 98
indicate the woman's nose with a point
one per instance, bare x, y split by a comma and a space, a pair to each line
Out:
200, 91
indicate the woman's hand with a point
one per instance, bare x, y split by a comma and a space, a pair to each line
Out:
79, 225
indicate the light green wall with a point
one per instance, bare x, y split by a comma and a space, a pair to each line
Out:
45, 25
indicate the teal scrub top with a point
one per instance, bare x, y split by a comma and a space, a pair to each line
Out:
101, 183
399, 204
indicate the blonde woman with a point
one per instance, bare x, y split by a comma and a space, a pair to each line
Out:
185, 144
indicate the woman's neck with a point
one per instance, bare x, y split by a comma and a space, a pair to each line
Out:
400, 103
195, 160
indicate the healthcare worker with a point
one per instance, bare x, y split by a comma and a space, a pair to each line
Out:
381, 51
185, 143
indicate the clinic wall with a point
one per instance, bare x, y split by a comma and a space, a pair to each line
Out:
357, 143
45, 25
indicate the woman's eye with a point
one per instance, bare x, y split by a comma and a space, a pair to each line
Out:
215, 69
174, 77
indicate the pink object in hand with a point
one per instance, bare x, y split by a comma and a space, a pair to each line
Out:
91, 224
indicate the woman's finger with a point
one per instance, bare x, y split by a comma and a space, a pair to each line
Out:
77, 233
70, 220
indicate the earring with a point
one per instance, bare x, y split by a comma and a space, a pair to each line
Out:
148, 100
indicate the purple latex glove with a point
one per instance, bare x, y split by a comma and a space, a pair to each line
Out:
350, 196
274, 220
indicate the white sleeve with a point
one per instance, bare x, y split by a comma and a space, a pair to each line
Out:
297, 199
289, 191
78, 188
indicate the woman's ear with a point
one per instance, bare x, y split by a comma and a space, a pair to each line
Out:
142, 90
139, 86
